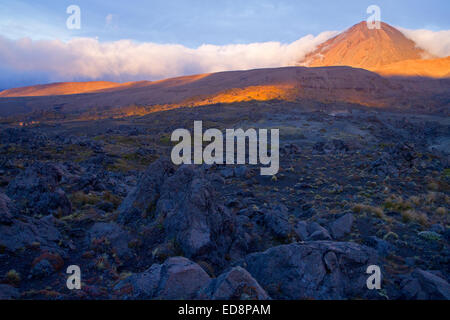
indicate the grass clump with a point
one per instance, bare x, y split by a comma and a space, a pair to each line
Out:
441, 211
415, 216
397, 203
13, 277
79, 199
364, 208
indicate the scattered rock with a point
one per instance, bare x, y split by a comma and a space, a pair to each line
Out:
177, 278
227, 173
7, 210
23, 232
301, 230
42, 269
115, 236
8, 292
424, 285
236, 284
342, 226
36, 190
142, 199
317, 232
383, 247
277, 221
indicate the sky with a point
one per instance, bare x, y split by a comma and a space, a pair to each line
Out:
154, 39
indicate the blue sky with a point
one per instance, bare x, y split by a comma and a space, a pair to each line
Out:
195, 22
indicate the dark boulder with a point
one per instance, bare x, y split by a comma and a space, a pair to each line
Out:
317, 232
42, 269
190, 212
8, 292
425, 285
235, 284
22, 231
142, 199
342, 226
7, 210
177, 278
116, 237
382, 247
313, 270
277, 220
36, 190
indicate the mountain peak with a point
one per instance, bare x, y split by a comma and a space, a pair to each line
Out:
362, 47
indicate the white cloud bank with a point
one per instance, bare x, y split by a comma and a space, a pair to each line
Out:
435, 42
27, 62
125, 60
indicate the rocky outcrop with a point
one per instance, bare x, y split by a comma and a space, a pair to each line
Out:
7, 210
180, 278
191, 213
142, 199
112, 235
277, 221
425, 285
236, 284
313, 270
310, 231
8, 292
37, 191
184, 206
17, 232
342, 226
176, 278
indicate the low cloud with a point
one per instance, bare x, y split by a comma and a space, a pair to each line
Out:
23, 61
435, 42
27, 62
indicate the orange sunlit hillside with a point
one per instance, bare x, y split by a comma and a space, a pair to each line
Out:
435, 68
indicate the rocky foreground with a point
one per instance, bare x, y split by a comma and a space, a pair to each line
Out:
355, 188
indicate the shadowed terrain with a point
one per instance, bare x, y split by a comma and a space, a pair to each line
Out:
355, 187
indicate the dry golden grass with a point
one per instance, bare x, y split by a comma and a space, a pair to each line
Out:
441, 211
12, 276
363, 208
415, 216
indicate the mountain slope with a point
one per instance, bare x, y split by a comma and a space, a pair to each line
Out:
361, 47
59, 88
326, 84
438, 68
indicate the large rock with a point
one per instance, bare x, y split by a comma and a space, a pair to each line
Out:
190, 215
424, 285
142, 199
310, 231
381, 246
332, 146
116, 237
317, 232
277, 220
342, 226
177, 278
17, 232
183, 207
36, 190
313, 270
236, 284
8, 292
7, 210
301, 230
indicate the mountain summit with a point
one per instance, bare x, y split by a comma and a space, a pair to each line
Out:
365, 48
